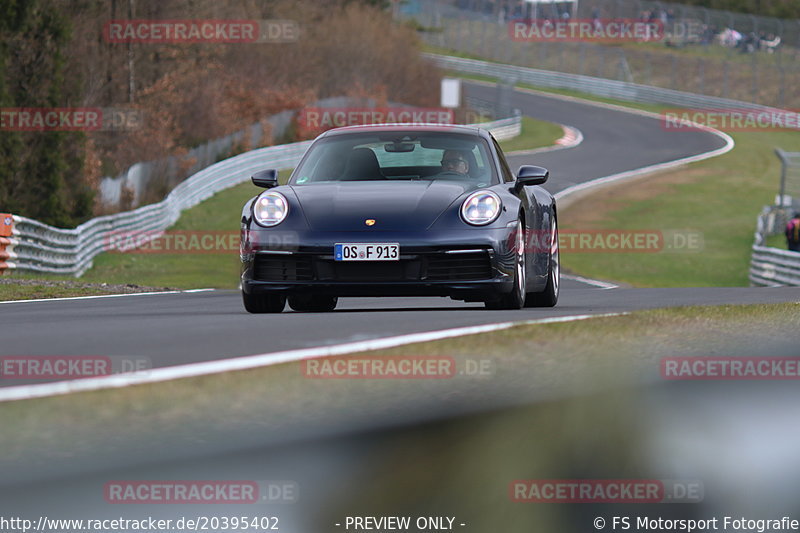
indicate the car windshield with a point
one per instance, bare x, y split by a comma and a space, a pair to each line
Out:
397, 156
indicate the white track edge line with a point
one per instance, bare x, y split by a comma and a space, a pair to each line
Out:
590, 281
27, 392
558, 146
96, 296
729, 145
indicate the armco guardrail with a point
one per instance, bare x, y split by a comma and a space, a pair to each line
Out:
618, 90
772, 266
38, 247
33, 246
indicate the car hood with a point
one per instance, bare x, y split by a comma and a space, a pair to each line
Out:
395, 206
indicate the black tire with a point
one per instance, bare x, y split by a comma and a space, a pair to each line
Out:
516, 298
549, 296
314, 303
263, 303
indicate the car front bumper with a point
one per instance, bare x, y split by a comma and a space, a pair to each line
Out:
473, 265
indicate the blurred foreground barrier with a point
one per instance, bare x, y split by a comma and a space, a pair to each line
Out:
37, 247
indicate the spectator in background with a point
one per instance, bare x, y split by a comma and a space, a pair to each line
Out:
749, 43
730, 38
771, 43
708, 35
793, 233
597, 23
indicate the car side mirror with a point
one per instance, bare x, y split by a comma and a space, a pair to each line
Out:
531, 175
265, 178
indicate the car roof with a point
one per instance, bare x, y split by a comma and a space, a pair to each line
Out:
411, 128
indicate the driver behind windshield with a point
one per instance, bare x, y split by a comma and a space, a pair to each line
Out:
454, 162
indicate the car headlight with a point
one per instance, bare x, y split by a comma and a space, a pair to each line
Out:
270, 209
481, 208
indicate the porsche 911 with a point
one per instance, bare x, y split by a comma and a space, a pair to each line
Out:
399, 210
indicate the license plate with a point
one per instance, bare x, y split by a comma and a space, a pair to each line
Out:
366, 251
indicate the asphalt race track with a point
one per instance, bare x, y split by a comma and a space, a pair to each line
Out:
614, 141
173, 329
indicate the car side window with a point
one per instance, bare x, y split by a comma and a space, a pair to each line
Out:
505, 170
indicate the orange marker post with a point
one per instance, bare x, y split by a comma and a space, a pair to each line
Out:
6, 230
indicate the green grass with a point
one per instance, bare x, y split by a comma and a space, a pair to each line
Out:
720, 198
25, 292
218, 269
535, 134
777, 241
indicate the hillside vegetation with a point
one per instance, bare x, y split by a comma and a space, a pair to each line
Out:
54, 54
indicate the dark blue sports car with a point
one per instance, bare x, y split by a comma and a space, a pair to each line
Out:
398, 210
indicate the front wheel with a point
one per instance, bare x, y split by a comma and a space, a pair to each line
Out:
516, 298
263, 303
549, 296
